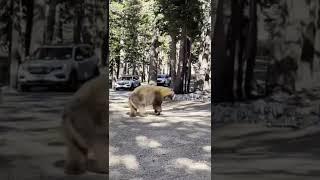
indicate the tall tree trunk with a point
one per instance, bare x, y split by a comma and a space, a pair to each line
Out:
77, 28
134, 69
125, 68
14, 54
51, 19
189, 70
251, 47
105, 43
153, 62
143, 78
183, 56
221, 89
29, 25
118, 65
60, 25
188, 64
10, 39
240, 44
105, 51
232, 39
173, 59
184, 61
213, 13
178, 86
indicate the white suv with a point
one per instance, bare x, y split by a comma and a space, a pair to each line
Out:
66, 65
163, 80
127, 82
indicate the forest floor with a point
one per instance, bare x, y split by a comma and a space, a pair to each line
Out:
254, 151
174, 145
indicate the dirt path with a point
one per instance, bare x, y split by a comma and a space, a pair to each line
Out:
250, 152
31, 146
174, 145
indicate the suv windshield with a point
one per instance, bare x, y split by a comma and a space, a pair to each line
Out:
53, 53
161, 76
126, 78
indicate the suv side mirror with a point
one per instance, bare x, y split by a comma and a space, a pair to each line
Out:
79, 57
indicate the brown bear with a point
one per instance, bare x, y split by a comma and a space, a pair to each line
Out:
148, 95
85, 128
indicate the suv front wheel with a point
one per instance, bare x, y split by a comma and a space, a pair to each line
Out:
132, 87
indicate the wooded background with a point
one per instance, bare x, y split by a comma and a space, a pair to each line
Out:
265, 46
259, 47
150, 37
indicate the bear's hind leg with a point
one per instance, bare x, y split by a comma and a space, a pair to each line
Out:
76, 160
142, 111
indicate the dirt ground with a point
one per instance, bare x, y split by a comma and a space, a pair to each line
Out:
174, 145
254, 151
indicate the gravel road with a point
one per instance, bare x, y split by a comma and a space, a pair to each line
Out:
174, 145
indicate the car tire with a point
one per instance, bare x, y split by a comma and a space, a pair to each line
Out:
132, 87
73, 82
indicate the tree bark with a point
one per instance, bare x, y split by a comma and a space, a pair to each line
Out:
60, 25
222, 65
14, 54
143, 78
189, 67
240, 52
178, 86
173, 59
118, 65
153, 62
51, 18
219, 49
251, 47
29, 25
105, 43
79, 10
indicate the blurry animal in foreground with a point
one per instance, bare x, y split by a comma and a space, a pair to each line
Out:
85, 128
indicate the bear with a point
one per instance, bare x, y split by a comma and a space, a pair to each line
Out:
147, 95
85, 128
